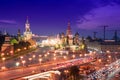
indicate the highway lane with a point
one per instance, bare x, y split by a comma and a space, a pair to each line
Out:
107, 72
15, 73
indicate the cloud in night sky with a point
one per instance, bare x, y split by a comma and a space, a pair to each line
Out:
105, 15
8, 21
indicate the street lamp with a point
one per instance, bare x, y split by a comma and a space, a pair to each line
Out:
73, 56
40, 55
64, 57
33, 56
18, 50
25, 48
54, 54
40, 60
3, 59
99, 60
109, 56
3, 67
30, 60
17, 64
85, 54
45, 55
80, 55
23, 62
48, 53
67, 52
21, 57
108, 51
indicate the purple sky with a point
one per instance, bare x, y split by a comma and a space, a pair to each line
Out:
49, 17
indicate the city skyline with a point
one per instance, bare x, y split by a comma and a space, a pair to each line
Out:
51, 17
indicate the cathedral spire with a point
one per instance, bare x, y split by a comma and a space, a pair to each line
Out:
68, 32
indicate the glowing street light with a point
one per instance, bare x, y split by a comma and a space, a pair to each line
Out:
11, 52
54, 58
18, 49
40, 60
54, 54
17, 64
48, 53
33, 56
21, 57
29, 59
25, 48
3, 59
80, 55
23, 62
2, 54
64, 57
67, 52
99, 60
45, 55
109, 56
3, 67
108, 51
73, 56
85, 54
61, 53
40, 55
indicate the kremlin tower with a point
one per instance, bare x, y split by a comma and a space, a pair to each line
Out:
27, 33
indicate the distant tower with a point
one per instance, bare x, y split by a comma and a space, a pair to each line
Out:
19, 35
5, 32
69, 32
27, 33
27, 25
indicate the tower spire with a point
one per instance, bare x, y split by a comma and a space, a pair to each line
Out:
68, 32
27, 33
27, 25
27, 20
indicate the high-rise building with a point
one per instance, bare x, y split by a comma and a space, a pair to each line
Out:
27, 33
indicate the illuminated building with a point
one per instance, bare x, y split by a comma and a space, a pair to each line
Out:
76, 40
27, 33
103, 46
7, 48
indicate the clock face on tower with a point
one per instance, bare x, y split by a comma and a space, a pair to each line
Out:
27, 33
27, 27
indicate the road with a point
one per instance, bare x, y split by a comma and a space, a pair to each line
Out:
107, 72
22, 71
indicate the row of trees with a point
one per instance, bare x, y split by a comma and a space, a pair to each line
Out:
2, 38
72, 74
21, 45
